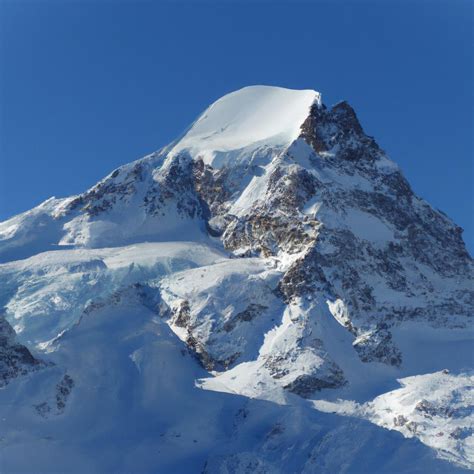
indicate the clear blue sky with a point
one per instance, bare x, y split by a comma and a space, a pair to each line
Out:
87, 86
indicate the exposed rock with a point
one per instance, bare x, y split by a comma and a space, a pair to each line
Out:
306, 385
378, 345
63, 391
182, 315
324, 129
251, 312
56, 404
15, 359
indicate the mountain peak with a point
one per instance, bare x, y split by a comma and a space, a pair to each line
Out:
272, 252
248, 118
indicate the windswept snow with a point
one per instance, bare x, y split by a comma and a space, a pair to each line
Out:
254, 116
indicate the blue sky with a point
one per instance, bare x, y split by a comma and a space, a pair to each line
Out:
87, 86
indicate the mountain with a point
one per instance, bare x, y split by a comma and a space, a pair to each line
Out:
266, 294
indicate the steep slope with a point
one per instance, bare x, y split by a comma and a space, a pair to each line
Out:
273, 252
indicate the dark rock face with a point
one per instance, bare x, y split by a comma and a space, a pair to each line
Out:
152, 194
200, 353
182, 315
108, 192
250, 313
378, 345
175, 185
266, 234
63, 391
323, 129
208, 350
306, 385
57, 403
289, 189
212, 186
15, 359
326, 375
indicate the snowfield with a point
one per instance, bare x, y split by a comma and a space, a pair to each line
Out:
264, 295
249, 118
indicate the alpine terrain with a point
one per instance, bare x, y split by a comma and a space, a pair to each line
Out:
266, 294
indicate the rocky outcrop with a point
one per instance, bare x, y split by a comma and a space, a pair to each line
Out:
216, 349
318, 377
174, 185
63, 391
266, 234
15, 359
56, 404
378, 345
119, 186
306, 385
248, 314
339, 126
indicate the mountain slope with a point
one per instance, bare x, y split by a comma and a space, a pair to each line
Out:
273, 252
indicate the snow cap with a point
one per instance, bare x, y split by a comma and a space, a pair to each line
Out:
251, 117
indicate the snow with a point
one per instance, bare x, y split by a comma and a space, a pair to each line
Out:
235, 286
437, 408
19, 237
47, 293
135, 406
254, 191
254, 116
96, 295
367, 227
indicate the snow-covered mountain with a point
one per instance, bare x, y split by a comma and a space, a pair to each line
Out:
266, 294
